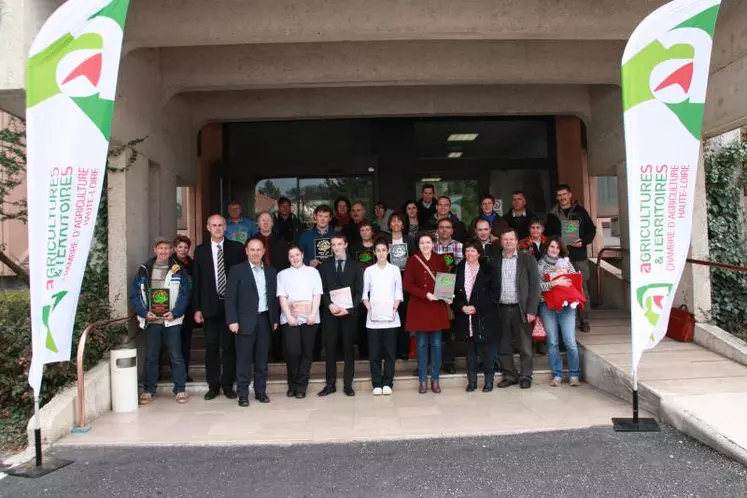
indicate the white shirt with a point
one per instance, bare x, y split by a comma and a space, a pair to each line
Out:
299, 284
382, 284
258, 272
214, 245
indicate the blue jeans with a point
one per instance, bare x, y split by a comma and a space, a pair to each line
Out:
155, 334
434, 339
566, 321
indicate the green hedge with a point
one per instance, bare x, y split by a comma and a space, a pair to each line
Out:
725, 181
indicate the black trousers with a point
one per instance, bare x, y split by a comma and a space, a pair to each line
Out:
188, 326
276, 346
338, 329
480, 352
382, 345
403, 338
220, 351
252, 349
298, 345
515, 333
362, 332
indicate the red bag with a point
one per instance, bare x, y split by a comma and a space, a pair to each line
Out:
538, 331
681, 325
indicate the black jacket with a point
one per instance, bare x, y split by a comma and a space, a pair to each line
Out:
485, 322
278, 252
242, 297
290, 229
587, 232
204, 293
460, 231
520, 224
527, 282
352, 276
425, 214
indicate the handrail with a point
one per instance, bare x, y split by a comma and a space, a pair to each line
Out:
701, 262
81, 353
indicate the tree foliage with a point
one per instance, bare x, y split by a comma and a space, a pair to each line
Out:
725, 183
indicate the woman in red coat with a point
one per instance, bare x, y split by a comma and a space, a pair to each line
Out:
427, 316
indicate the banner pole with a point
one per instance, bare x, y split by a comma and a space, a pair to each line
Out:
635, 396
37, 430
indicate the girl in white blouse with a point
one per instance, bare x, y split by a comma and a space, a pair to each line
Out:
382, 295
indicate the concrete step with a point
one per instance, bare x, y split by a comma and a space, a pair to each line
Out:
278, 386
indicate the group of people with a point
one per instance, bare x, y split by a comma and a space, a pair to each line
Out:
264, 288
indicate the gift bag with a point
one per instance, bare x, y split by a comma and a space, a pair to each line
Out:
681, 326
538, 331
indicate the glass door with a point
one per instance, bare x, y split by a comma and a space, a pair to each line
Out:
464, 195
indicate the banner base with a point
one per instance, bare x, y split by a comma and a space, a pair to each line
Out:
32, 471
635, 425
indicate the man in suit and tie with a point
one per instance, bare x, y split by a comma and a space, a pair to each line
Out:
339, 272
212, 261
251, 312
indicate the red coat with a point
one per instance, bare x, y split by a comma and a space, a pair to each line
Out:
424, 315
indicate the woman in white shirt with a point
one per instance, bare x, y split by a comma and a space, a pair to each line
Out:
382, 294
300, 293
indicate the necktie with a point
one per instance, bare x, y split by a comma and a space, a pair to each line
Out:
221, 281
339, 267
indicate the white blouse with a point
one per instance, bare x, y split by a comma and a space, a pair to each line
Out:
299, 284
382, 285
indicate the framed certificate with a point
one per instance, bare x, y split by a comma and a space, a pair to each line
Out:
381, 311
322, 249
445, 284
342, 298
300, 310
570, 231
160, 302
398, 255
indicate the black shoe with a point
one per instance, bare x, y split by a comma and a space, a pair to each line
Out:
262, 398
189, 379
487, 388
585, 327
230, 394
449, 369
210, 395
349, 391
300, 395
243, 402
290, 392
507, 383
496, 368
471, 387
525, 383
327, 391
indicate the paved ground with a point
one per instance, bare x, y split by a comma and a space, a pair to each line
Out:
592, 462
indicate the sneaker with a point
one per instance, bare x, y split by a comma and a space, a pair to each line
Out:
377, 391
574, 382
182, 398
387, 391
145, 398
556, 382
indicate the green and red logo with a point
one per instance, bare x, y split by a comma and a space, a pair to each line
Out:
651, 299
47, 311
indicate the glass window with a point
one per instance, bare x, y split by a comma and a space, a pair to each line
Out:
607, 195
465, 201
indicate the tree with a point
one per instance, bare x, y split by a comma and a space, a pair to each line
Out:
269, 189
13, 172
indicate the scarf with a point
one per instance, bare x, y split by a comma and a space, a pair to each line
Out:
550, 260
489, 218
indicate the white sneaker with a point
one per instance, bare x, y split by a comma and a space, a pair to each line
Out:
377, 391
387, 391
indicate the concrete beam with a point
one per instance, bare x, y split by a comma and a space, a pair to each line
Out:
388, 101
390, 63
230, 22
605, 137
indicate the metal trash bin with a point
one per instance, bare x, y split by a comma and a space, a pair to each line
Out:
123, 366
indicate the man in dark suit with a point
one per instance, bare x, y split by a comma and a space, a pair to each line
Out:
339, 272
212, 261
516, 287
251, 312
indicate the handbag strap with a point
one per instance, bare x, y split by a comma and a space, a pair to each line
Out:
427, 268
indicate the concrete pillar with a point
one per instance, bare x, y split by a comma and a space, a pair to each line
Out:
211, 151
695, 286
572, 164
129, 242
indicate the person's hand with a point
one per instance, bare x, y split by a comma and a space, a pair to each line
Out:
342, 312
168, 316
274, 326
578, 243
563, 282
315, 263
233, 327
431, 297
292, 321
311, 320
151, 316
334, 309
394, 313
468, 310
531, 317
198, 317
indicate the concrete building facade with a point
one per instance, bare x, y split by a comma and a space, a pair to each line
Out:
193, 67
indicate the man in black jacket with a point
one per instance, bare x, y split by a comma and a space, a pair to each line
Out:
567, 210
213, 259
519, 217
251, 312
426, 206
340, 272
